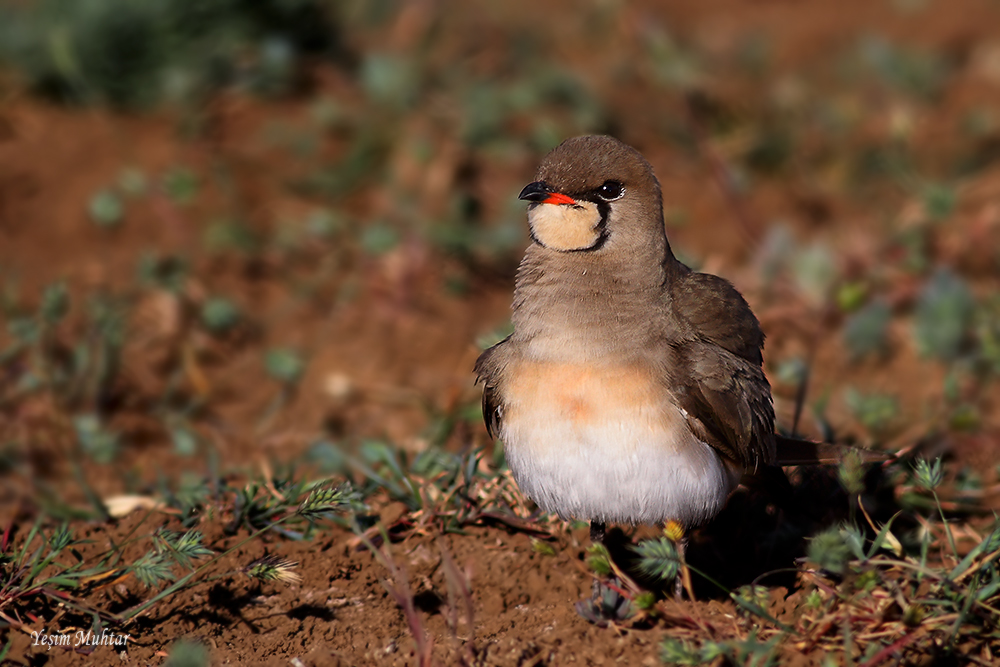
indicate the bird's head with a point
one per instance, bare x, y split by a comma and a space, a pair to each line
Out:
591, 192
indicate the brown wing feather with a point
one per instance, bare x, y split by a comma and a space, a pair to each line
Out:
719, 376
488, 372
491, 411
728, 403
717, 313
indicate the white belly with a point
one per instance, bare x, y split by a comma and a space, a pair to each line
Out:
606, 444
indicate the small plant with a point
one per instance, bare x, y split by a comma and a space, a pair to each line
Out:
170, 551
599, 560
187, 653
219, 315
750, 651
231, 235
815, 272
929, 477
181, 185
106, 209
273, 568
658, 558
943, 316
865, 330
132, 182
379, 239
830, 551
95, 440
876, 412
167, 272
921, 74
939, 201
284, 365
678, 652
609, 605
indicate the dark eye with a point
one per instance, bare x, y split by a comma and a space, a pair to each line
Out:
610, 191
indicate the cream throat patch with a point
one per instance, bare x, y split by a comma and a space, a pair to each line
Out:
567, 227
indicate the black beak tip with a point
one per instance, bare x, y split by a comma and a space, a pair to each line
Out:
536, 191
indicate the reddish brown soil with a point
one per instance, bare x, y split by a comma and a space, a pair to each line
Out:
383, 363
341, 614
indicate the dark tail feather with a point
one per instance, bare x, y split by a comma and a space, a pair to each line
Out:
798, 452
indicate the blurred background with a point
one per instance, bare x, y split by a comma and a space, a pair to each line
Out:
243, 231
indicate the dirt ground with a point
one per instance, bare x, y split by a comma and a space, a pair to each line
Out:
390, 345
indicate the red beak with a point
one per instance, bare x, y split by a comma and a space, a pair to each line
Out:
540, 192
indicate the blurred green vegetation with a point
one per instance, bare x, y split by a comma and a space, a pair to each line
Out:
140, 54
476, 93
472, 96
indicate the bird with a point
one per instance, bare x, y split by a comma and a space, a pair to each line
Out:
632, 388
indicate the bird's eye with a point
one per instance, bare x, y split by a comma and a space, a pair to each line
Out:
610, 191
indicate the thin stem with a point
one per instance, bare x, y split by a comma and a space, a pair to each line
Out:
947, 528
